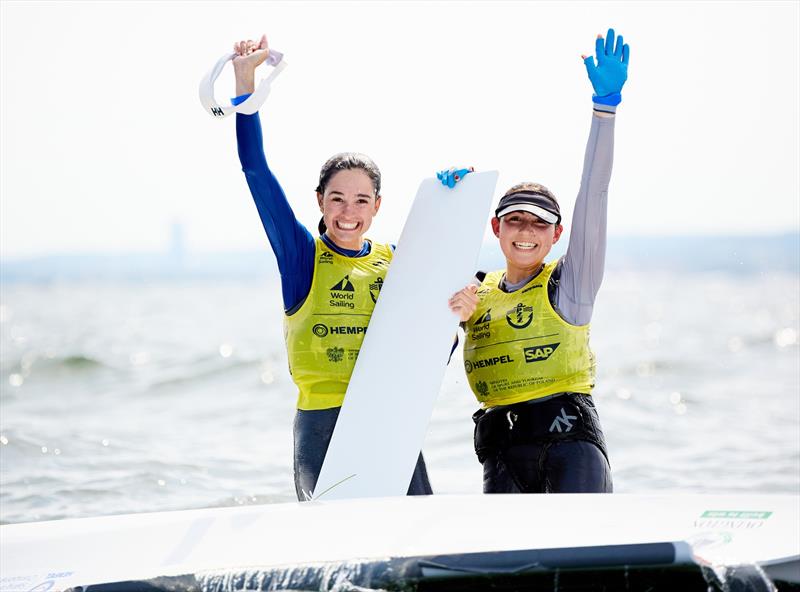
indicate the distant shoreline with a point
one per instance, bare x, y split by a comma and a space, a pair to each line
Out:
742, 254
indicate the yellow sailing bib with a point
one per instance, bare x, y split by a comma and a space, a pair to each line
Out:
324, 335
517, 348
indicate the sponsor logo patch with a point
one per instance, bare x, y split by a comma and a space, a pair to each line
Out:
321, 330
335, 354
343, 294
539, 353
520, 316
480, 329
344, 285
732, 519
375, 289
486, 362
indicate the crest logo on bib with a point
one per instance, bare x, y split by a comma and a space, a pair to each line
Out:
375, 289
520, 316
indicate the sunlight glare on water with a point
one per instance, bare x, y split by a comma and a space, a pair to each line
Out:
158, 396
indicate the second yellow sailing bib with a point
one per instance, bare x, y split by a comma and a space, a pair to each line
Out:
518, 348
323, 337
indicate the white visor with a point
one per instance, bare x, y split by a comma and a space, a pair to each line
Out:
253, 102
540, 213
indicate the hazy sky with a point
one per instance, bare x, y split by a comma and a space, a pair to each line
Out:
105, 144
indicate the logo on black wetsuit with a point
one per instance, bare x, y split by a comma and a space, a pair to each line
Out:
564, 419
520, 316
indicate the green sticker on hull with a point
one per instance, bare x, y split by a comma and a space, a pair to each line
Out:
736, 514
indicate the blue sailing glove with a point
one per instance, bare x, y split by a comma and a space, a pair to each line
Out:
452, 176
611, 71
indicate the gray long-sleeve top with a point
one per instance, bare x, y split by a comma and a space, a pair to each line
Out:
578, 275
584, 262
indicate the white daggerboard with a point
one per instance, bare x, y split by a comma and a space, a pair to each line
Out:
260, 540
401, 364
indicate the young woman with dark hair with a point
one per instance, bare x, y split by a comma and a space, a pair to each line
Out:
336, 275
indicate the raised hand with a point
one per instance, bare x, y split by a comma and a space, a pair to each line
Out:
611, 71
250, 53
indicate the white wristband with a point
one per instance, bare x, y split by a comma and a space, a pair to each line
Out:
253, 102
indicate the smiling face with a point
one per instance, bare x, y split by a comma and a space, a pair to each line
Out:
348, 206
525, 241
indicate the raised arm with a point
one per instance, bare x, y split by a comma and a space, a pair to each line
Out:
292, 243
581, 269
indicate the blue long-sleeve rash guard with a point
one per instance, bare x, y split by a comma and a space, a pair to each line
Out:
292, 243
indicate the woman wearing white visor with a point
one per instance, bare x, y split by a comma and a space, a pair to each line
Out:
526, 351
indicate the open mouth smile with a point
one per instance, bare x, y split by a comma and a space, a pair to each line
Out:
524, 246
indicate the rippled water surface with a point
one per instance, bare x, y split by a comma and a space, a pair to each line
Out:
134, 396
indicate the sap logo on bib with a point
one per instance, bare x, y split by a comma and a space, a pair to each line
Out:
520, 316
375, 289
540, 352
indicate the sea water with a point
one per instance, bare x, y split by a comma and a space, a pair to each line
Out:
122, 395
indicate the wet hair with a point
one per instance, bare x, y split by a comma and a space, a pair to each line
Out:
345, 161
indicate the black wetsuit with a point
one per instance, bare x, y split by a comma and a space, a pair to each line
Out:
520, 453
312, 433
